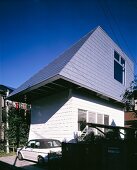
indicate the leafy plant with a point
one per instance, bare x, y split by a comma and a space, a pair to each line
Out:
130, 95
19, 122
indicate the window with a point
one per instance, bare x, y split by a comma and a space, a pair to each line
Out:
91, 117
99, 121
99, 118
82, 117
56, 143
31, 144
119, 68
37, 145
86, 116
106, 122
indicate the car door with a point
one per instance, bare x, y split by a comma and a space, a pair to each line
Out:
28, 152
36, 151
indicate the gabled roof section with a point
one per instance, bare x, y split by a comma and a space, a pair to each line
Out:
88, 64
54, 68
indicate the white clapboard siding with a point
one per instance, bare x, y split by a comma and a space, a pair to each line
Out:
57, 116
52, 117
114, 114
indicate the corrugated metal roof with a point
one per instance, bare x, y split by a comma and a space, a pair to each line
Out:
54, 68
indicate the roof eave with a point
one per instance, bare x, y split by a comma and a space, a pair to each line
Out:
12, 96
98, 93
17, 96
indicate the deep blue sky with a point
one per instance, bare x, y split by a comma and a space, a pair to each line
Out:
34, 32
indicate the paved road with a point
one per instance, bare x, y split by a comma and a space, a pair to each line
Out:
11, 163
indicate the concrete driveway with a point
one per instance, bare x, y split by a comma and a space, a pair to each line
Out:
24, 165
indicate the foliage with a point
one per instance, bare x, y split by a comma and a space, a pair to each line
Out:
112, 134
3, 154
2, 147
19, 122
130, 95
89, 137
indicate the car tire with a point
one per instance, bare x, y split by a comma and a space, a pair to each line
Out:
40, 160
20, 157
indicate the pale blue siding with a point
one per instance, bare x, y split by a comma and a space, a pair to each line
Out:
93, 66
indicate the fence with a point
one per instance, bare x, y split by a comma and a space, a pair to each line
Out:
105, 155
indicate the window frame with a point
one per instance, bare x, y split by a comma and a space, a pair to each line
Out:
97, 115
122, 63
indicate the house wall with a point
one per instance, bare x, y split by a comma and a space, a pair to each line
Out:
116, 114
56, 116
93, 66
52, 117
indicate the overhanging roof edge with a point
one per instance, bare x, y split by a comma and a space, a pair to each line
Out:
34, 87
89, 88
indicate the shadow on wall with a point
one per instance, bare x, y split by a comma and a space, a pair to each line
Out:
43, 109
113, 123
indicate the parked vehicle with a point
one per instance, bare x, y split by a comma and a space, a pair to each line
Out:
40, 150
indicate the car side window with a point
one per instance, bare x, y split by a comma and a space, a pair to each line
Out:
56, 143
31, 144
49, 144
37, 144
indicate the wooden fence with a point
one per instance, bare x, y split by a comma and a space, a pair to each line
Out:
104, 155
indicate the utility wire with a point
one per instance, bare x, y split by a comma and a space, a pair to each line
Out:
113, 32
109, 23
124, 40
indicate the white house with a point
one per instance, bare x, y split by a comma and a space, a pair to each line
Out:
85, 83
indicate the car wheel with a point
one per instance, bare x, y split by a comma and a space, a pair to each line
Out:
20, 156
40, 160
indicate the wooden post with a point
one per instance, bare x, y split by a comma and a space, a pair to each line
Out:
7, 122
0, 116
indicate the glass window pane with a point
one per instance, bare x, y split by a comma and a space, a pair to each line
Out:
31, 144
99, 118
118, 72
100, 121
82, 114
91, 117
122, 61
116, 55
56, 143
106, 120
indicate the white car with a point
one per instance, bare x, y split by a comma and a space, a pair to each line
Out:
40, 150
